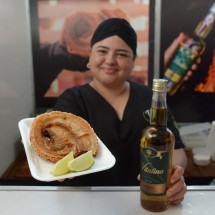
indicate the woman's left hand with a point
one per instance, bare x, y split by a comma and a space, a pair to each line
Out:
178, 188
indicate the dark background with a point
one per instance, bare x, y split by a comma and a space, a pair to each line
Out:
183, 16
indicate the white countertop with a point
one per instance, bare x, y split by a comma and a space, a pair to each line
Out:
36, 200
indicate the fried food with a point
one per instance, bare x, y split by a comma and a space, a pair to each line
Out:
55, 134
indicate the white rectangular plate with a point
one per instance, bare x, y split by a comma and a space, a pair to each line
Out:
40, 168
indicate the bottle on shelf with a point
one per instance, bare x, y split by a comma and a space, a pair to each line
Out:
156, 152
188, 52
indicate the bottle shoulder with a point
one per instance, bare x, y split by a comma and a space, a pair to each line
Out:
157, 137
153, 129
157, 132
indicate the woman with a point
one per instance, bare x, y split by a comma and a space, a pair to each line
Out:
115, 108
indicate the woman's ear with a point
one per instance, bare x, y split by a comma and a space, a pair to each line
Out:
88, 65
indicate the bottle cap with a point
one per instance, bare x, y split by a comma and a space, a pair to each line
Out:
159, 85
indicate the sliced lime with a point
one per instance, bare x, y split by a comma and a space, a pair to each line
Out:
60, 168
82, 162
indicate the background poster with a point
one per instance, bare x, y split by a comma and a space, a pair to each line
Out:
195, 101
61, 33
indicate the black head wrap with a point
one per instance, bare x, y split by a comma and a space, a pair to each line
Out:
119, 27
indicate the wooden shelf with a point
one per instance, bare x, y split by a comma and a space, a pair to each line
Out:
18, 170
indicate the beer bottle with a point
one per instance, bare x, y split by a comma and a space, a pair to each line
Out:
188, 52
156, 151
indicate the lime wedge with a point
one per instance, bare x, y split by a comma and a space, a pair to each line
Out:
60, 168
82, 162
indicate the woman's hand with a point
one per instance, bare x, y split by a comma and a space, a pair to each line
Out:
170, 51
178, 188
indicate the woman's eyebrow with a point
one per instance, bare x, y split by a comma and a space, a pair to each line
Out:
121, 50
104, 47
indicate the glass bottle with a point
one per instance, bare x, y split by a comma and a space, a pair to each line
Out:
156, 151
188, 52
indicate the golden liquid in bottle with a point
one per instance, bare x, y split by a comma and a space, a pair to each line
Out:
157, 144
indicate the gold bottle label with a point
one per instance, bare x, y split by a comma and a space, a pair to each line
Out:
154, 171
153, 188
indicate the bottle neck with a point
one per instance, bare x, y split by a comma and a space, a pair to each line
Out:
204, 27
158, 113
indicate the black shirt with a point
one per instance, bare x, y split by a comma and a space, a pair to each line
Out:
122, 137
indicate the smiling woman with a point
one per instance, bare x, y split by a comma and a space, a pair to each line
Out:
111, 61
114, 107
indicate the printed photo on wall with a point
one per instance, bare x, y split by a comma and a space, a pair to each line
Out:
61, 33
188, 47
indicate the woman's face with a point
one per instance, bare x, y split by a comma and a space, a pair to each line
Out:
111, 61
